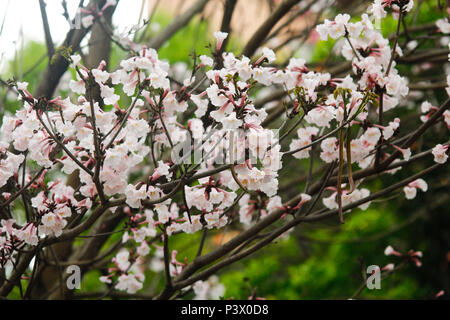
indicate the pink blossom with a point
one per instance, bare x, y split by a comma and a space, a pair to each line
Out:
411, 189
390, 251
440, 153
220, 37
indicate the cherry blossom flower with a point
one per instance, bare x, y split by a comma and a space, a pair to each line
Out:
446, 116
134, 196
321, 116
443, 25
231, 122
269, 54
388, 267
377, 9
207, 61
122, 259
411, 189
128, 283
305, 138
406, 153
161, 170
211, 289
9, 166
220, 37
440, 153
414, 256
390, 251
51, 224
347, 198
334, 29
329, 149
28, 234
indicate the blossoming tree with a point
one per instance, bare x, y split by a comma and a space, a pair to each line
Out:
204, 153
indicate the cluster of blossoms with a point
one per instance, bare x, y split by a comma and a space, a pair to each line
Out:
304, 139
90, 14
52, 208
428, 109
361, 148
375, 69
106, 144
249, 208
211, 289
347, 198
379, 7
413, 256
130, 275
10, 165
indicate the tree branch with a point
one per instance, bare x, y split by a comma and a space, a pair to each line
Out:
260, 35
177, 24
48, 35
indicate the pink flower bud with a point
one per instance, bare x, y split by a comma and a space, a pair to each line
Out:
388, 267
390, 251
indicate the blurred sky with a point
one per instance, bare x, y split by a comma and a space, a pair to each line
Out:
24, 17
